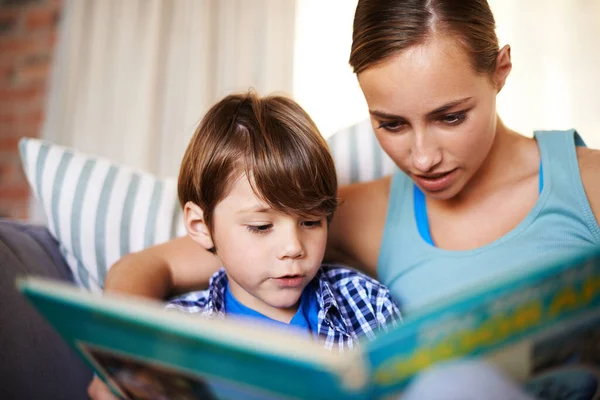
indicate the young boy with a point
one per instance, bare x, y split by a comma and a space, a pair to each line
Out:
258, 188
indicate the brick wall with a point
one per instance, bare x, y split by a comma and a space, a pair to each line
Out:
27, 38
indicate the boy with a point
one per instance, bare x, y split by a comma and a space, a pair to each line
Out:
258, 188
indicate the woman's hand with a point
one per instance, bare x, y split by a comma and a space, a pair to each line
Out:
97, 390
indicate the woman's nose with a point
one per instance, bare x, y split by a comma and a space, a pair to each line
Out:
426, 154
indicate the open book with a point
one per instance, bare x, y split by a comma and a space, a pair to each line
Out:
545, 320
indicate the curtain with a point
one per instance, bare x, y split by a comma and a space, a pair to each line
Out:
555, 47
132, 79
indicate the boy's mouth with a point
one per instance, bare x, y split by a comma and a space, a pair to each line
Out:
289, 281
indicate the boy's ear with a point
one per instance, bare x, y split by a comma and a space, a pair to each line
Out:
193, 218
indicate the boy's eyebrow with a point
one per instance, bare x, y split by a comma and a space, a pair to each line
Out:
439, 110
255, 209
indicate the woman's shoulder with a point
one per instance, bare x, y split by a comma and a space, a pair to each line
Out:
381, 185
364, 196
589, 169
357, 226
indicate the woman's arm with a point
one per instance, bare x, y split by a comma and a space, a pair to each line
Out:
177, 266
182, 265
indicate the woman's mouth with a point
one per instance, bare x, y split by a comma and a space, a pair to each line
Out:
436, 182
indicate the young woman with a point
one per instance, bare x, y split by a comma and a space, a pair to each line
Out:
469, 194
471, 199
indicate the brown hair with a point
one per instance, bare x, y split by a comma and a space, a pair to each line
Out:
270, 139
383, 28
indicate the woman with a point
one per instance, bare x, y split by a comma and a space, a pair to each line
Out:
470, 192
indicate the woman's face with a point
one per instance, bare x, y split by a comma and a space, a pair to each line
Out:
433, 114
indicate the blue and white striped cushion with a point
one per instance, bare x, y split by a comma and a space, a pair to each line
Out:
97, 210
358, 156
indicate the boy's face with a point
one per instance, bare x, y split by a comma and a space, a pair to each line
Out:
269, 256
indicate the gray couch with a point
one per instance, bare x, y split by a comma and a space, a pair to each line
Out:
35, 363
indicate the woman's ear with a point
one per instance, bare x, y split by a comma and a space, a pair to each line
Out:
193, 218
503, 67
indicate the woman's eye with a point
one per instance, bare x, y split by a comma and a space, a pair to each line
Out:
260, 229
454, 119
313, 224
391, 126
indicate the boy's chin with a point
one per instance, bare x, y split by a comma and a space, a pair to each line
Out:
285, 301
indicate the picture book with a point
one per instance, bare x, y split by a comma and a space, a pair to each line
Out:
543, 321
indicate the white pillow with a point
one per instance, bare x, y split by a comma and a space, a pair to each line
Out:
99, 211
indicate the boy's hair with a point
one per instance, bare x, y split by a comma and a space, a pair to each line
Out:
270, 139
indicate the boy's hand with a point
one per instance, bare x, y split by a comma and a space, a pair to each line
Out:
99, 391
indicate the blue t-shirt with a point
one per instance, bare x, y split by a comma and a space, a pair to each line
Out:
306, 318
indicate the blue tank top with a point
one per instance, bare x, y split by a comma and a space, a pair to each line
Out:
418, 273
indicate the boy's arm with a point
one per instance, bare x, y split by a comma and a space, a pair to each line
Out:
180, 265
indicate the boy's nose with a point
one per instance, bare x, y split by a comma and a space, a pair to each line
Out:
291, 245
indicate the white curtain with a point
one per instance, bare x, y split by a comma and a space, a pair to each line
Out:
555, 82
132, 79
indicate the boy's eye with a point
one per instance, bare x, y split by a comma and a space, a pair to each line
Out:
260, 229
313, 224
455, 118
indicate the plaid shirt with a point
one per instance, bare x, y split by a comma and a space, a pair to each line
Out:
351, 305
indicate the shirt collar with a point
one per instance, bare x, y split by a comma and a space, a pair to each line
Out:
328, 303
216, 292
323, 288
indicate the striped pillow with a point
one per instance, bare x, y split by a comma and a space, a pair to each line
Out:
358, 156
98, 211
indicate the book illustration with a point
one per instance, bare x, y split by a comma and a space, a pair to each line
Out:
136, 379
566, 364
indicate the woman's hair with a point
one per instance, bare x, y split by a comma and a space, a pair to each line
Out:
384, 28
271, 140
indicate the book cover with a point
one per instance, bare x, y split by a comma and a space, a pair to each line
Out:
541, 326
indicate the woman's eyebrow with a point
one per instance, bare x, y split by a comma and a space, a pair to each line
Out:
448, 106
384, 115
437, 111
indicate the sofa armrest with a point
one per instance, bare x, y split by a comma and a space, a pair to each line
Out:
35, 362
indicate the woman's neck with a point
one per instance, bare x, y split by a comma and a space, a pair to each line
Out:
510, 159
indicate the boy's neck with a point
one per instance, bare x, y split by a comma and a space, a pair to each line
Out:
284, 315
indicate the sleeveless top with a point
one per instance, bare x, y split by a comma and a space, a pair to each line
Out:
418, 273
